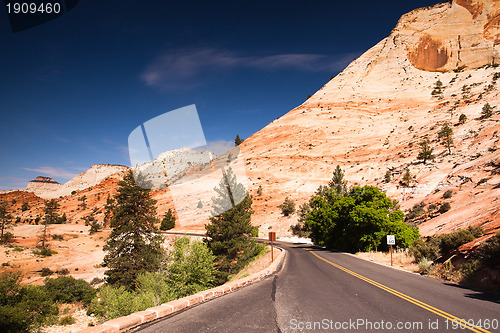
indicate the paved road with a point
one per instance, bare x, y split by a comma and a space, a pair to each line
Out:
324, 291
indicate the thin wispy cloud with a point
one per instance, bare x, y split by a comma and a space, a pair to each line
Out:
187, 68
53, 172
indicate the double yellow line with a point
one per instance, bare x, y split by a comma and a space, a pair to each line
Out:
423, 305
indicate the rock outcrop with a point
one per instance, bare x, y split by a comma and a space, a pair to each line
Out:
41, 185
87, 179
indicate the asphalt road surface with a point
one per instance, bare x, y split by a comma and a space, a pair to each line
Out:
324, 291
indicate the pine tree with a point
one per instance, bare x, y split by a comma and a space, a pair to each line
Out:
425, 152
25, 206
134, 246
108, 210
50, 217
168, 221
238, 140
83, 204
446, 136
388, 175
230, 231
487, 111
407, 178
5, 219
338, 184
462, 119
287, 207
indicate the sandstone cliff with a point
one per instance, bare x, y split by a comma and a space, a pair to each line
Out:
371, 117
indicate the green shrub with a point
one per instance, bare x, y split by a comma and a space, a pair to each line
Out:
424, 265
462, 119
67, 320
444, 207
432, 207
287, 207
46, 271
113, 302
448, 194
357, 221
44, 252
428, 248
67, 289
482, 181
57, 237
63, 271
95, 227
415, 211
387, 176
489, 252
452, 241
190, 267
7, 237
168, 221
23, 308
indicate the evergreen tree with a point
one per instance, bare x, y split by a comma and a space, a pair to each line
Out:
25, 206
238, 140
338, 184
168, 221
200, 204
108, 210
407, 178
487, 111
446, 136
83, 204
259, 190
133, 246
425, 151
287, 207
462, 119
50, 217
387, 176
5, 219
230, 231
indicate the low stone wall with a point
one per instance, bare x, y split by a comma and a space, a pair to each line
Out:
135, 319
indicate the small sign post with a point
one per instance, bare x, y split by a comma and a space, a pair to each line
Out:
272, 238
391, 240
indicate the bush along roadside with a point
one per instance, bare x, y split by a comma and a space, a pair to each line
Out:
438, 256
27, 308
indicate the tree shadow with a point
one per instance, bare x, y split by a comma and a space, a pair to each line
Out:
477, 294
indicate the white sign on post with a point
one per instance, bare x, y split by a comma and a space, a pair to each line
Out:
391, 240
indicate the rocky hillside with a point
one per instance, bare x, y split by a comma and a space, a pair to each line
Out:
371, 118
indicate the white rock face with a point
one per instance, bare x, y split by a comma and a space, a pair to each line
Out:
171, 166
371, 118
89, 178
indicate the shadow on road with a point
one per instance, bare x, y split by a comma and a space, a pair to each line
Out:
477, 294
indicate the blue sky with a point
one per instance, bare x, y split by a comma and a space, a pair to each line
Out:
74, 88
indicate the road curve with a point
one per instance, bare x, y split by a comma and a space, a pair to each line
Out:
324, 291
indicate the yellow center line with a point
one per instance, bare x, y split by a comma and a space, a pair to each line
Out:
406, 297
